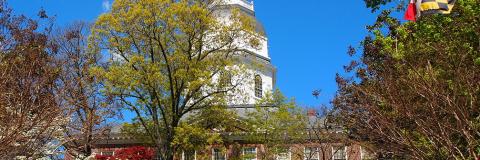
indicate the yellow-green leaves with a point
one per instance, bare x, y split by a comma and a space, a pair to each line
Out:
166, 56
194, 137
477, 61
279, 124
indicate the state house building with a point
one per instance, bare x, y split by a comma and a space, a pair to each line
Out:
264, 81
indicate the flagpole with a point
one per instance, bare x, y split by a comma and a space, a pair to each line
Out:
418, 4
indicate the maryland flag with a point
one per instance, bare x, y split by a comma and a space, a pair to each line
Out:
428, 7
436, 6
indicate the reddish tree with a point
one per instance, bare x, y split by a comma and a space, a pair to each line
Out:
29, 113
414, 92
131, 153
79, 92
101, 157
135, 153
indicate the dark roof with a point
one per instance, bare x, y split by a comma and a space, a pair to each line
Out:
117, 140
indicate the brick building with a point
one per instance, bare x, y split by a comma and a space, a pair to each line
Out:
263, 81
107, 146
241, 148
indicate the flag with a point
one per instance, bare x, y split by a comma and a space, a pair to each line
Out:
411, 13
428, 7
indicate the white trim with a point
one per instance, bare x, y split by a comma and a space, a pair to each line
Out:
113, 153
194, 155
361, 153
346, 152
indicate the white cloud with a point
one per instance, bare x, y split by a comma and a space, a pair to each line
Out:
106, 5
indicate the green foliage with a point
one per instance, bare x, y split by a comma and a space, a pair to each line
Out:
195, 137
376, 4
415, 87
218, 119
206, 128
277, 126
165, 57
477, 61
136, 129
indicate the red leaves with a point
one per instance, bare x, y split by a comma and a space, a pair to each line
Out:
100, 157
131, 153
135, 153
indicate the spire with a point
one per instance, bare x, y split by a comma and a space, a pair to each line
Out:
248, 4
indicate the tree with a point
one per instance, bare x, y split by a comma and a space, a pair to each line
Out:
166, 57
414, 93
283, 125
198, 132
209, 127
376, 4
30, 117
277, 126
326, 135
131, 153
79, 92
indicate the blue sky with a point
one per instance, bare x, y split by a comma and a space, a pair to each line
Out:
308, 39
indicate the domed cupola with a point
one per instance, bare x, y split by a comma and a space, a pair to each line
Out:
247, 7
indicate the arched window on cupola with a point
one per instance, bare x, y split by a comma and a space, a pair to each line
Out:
258, 86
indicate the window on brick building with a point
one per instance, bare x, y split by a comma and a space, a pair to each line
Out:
311, 153
189, 155
258, 86
339, 153
366, 155
249, 153
283, 154
218, 154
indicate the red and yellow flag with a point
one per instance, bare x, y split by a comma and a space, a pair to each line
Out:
426, 7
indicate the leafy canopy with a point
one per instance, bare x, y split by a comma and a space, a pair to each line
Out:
166, 57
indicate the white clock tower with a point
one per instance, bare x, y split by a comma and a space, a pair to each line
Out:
263, 77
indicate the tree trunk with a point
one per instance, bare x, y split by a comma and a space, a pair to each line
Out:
164, 149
